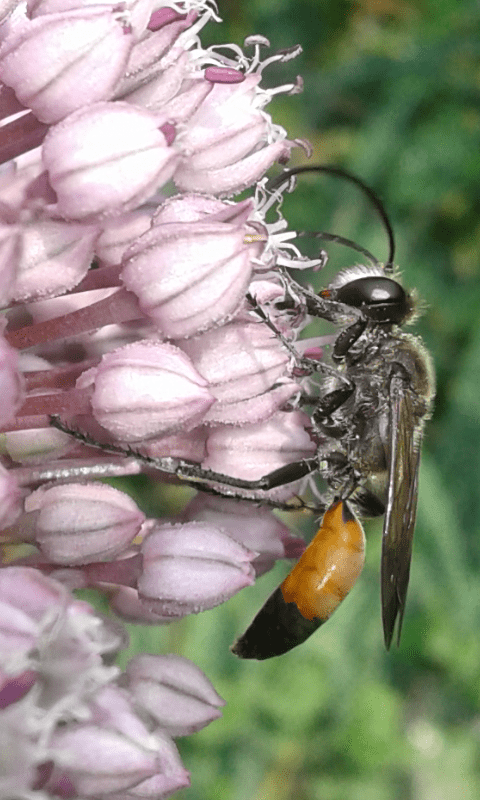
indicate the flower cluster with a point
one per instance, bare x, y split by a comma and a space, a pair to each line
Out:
70, 724
131, 285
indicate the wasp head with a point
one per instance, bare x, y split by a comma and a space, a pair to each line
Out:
379, 296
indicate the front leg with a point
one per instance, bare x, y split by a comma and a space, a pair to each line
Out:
347, 338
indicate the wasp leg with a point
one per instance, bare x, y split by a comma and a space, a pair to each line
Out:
347, 338
194, 474
300, 362
322, 414
279, 477
306, 365
296, 503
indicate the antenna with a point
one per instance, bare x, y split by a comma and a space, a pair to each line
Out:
374, 199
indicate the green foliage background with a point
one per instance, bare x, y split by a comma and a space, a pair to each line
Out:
392, 93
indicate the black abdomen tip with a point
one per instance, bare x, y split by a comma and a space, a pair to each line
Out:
277, 628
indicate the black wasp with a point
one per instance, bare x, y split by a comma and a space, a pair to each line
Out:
371, 415
376, 395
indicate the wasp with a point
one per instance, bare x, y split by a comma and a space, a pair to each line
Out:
375, 398
371, 417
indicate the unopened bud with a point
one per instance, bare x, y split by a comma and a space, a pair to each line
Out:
79, 523
147, 389
175, 692
189, 568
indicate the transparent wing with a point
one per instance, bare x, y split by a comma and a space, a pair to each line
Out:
400, 513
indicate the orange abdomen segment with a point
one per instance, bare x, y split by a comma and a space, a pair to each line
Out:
329, 567
314, 588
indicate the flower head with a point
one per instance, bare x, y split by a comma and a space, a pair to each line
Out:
154, 317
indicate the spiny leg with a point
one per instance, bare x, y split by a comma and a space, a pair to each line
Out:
196, 476
306, 365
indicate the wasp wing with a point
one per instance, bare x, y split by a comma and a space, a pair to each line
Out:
400, 513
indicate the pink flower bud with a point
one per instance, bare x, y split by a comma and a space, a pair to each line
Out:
135, 15
255, 450
79, 523
190, 275
228, 126
189, 568
101, 761
129, 606
246, 369
255, 527
54, 257
114, 750
11, 382
58, 63
145, 390
170, 778
175, 692
224, 139
189, 445
206, 208
184, 104
154, 83
232, 178
106, 158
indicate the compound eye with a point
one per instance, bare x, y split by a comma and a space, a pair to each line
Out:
381, 299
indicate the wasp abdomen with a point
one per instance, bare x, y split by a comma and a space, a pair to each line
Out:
329, 566
311, 592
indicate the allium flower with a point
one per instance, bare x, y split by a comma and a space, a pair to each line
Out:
154, 317
106, 158
255, 450
147, 389
251, 388
91, 47
221, 145
170, 688
189, 568
205, 265
255, 528
62, 707
76, 523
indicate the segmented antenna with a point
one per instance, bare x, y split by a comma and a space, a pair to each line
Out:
374, 199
